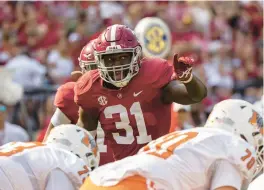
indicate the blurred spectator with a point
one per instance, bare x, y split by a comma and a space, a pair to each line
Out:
10, 132
27, 71
45, 116
11, 92
108, 9
259, 105
180, 117
10, 95
59, 62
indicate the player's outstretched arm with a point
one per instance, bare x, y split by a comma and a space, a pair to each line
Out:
225, 176
57, 119
191, 91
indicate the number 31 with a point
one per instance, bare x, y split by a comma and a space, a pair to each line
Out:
135, 110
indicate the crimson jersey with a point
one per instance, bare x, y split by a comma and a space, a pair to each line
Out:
64, 100
129, 116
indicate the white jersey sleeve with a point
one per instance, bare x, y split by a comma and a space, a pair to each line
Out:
59, 118
58, 180
13, 176
242, 155
225, 174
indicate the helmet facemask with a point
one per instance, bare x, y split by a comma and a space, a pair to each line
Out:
87, 65
118, 75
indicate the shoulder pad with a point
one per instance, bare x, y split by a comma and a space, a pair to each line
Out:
64, 93
157, 71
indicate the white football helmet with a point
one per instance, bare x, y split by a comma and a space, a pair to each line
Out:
240, 118
76, 140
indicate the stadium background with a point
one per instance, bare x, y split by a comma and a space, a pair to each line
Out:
41, 41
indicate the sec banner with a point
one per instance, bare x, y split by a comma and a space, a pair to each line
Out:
154, 36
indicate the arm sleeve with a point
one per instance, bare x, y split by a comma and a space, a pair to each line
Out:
58, 180
225, 174
59, 118
64, 100
82, 87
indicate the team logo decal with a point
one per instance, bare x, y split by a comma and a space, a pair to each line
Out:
102, 100
256, 120
119, 96
88, 56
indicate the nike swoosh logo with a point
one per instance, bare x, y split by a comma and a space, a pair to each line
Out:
136, 94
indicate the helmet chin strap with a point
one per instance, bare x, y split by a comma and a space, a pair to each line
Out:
126, 80
121, 83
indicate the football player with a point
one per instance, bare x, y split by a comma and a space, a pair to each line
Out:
257, 184
220, 156
62, 162
128, 93
67, 111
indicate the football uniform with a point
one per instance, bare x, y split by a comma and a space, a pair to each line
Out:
257, 184
38, 161
64, 101
194, 159
129, 115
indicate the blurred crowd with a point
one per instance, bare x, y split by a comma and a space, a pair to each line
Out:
40, 43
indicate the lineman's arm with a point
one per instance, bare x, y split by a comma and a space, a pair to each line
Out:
88, 120
58, 180
225, 176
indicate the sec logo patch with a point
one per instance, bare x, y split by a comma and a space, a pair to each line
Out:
102, 100
155, 40
154, 36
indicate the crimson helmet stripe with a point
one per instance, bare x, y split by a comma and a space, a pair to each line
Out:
113, 35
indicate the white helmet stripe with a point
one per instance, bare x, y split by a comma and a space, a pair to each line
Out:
113, 35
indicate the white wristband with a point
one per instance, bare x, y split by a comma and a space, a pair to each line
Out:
59, 118
93, 133
189, 80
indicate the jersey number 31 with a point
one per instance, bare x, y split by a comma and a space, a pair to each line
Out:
135, 110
